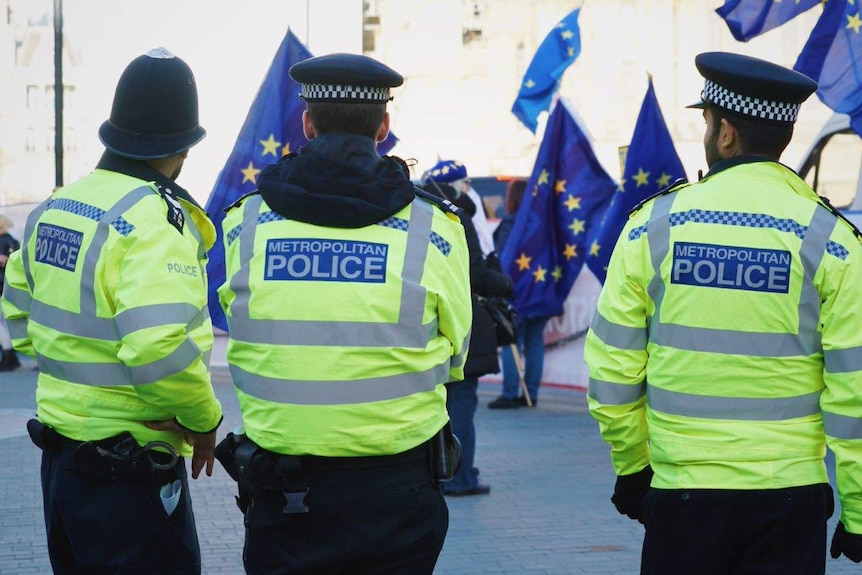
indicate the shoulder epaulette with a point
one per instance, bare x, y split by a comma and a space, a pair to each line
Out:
677, 184
824, 201
239, 201
441, 203
175, 209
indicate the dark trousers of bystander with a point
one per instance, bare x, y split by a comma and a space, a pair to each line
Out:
723, 532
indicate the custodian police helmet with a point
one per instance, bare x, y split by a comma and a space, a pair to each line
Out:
751, 88
155, 110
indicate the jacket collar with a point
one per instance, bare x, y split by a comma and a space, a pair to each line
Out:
141, 170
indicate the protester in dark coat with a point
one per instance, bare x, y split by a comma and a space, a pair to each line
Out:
482, 358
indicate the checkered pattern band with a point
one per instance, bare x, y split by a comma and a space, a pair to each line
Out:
747, 106
342, 93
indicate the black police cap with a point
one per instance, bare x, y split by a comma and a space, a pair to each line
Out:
752, 88
346, 78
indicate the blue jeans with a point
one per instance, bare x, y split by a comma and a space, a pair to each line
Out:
531, 342
461, 402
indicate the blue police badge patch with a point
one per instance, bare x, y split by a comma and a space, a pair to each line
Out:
731, 267
58, 246
310, 259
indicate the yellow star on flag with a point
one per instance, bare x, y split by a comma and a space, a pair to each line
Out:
286, 149
543, 178
594, 249
523, 262
622, 186
573, 203
571, 251
577, 226
557, 273
663, 180
642, 177
270, 146
567, 35
250, 174
571, 52
539, 274
854, 22
560, 186
529, 84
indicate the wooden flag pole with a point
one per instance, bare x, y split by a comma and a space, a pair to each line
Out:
517, 355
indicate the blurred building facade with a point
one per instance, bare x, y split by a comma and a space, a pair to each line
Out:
463, 60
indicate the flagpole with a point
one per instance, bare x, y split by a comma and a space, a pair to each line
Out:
58, 93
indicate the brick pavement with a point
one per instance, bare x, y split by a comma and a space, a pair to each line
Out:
548, 512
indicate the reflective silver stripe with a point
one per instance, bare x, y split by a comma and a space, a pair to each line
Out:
339, 392
18, 297
842, 426
813, 249
735, 408
408, 332
154, 315
28, 233
114, 329
94, 251
843, 360
805, 342
609, 393
658, 239
17, 328
619, 336
458, 360
111, 374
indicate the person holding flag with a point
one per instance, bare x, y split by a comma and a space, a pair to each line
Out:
725, 353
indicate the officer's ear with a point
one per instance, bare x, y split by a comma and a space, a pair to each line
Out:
384, 128
307, 126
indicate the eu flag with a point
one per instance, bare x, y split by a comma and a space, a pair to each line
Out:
272, 128
833, 57
651, 164
749, 18
556, 53
565, 196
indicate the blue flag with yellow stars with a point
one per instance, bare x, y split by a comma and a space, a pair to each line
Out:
651, 165
833, 57
565, 197
749, 18
272, 128
556, 53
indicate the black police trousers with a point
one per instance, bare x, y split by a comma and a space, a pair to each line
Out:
366, 516
105, 526
725, 532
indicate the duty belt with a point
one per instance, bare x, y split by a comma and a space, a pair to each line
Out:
108, 458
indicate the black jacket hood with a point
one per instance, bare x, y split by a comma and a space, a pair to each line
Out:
338, 180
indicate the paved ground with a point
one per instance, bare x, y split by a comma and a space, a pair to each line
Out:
548, 512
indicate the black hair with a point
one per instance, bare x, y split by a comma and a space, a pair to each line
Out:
362, 119
756, 137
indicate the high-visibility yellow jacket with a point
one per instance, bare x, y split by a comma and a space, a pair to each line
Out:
341, 338
110, 298
727, 349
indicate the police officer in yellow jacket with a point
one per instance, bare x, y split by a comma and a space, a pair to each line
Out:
348, 305
109, 294
726, 352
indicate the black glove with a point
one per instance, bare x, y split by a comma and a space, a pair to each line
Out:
849, 544
629, 492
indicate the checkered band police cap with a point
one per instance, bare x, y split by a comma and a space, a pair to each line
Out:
780, 112
752, 88
341, 93
347, 78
